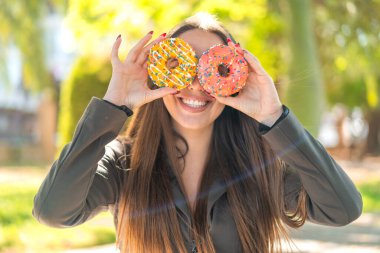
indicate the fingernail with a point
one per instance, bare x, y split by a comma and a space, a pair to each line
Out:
163, 35
118, 37
175, 93
228, 40
151, 32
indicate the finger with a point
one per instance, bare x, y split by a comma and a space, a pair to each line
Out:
239, 49
145, 52
254, 63
230, 42
136, 50
115, 50
144, 65
142, 57
236, 46
159, 93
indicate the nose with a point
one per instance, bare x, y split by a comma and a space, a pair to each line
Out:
195, 85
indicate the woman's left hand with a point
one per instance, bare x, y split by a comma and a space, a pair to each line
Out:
259, 98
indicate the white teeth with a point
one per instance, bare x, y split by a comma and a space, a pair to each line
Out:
194, 103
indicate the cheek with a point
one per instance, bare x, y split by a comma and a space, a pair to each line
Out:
218, 109
169, 102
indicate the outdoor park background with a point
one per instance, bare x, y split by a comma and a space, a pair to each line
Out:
324, 56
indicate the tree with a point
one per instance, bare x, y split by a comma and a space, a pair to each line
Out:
85, 81
96, 23
21, 26
348, 35
304, 94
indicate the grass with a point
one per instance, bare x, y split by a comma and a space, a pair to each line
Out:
19, 231
371, 196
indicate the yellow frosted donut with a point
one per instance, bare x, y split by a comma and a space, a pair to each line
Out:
172, 63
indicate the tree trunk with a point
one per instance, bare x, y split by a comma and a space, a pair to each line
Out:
373, 141
46, 120
304, 93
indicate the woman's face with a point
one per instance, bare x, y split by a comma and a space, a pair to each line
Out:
193, 108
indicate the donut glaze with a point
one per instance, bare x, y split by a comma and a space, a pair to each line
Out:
172, 63
222, 71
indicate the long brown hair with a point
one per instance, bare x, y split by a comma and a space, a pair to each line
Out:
147, 217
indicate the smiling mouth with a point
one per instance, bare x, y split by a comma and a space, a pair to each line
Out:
194, 103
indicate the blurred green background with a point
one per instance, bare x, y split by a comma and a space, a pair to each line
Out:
54, 56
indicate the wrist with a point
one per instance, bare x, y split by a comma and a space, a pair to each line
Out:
113, 93
271, 118
124, 108
113, 99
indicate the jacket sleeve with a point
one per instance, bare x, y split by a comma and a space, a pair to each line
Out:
332, 198
85, 179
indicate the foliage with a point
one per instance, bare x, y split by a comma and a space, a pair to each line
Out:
348, 37
20, 231
21, 25
89, 77
13, 209
371, 196
18, 25
96, 23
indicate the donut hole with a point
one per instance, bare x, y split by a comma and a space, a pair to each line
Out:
223, 70
172, 63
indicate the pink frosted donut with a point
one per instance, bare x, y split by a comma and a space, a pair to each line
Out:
222, 71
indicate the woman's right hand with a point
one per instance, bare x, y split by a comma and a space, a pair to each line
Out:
128, 85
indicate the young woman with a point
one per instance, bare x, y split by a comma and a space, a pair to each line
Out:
196, 173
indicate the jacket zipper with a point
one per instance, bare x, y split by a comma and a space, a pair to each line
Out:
194, 247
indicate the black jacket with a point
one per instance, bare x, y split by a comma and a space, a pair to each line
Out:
85, 179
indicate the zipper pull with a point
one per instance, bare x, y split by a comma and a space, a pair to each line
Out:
194, 247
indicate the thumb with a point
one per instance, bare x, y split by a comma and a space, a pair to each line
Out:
159, 93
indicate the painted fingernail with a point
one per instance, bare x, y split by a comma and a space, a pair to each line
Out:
118, 37
228, 40
163, 35
151, 32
